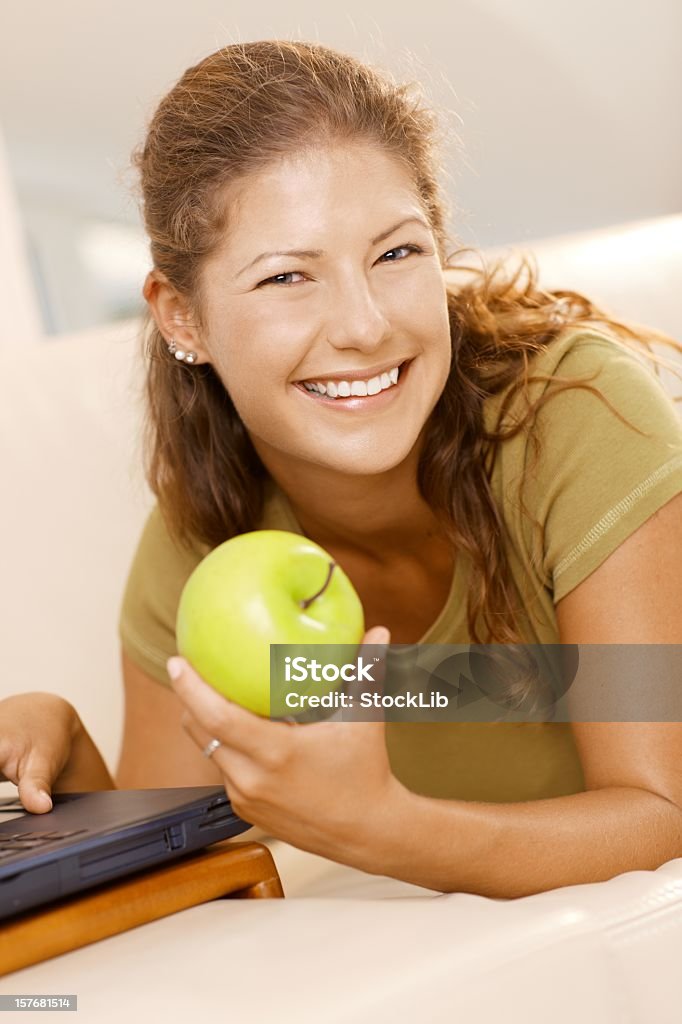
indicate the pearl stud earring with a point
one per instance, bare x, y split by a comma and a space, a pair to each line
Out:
180, 354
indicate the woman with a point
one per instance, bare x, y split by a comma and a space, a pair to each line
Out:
487, 462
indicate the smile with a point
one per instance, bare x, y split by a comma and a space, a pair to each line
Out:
343, 392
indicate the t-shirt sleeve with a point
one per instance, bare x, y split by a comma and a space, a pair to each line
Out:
597, 480
158, 573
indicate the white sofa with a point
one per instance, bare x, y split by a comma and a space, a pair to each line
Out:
343, 945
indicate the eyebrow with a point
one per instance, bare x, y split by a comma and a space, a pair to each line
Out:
314, 254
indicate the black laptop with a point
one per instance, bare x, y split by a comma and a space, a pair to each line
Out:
88, 839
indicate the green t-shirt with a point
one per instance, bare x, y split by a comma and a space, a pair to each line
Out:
595, 482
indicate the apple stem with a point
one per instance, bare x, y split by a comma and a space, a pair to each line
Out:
309, 601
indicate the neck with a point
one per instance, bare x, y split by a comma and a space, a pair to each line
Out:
379, 516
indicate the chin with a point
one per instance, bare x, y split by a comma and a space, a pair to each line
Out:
364, 463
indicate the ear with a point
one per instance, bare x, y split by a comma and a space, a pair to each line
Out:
173, 315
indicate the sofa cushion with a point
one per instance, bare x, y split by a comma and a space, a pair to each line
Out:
73, 503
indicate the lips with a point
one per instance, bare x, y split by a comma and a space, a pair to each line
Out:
346, 394
354, 375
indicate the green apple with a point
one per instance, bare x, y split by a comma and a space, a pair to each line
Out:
261, 588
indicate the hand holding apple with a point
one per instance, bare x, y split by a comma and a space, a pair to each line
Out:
327, 788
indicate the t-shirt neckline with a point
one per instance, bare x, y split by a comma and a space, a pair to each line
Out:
451, 609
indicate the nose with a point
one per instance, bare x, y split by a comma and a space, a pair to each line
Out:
356, 319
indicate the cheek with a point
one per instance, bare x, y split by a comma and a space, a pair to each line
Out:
254, 376
266, 345
422, 304
247, 389
430, 322
242, 356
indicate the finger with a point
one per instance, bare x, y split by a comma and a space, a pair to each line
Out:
377, 640
230, 763
201, 738
35, 785
377, 635
221, 718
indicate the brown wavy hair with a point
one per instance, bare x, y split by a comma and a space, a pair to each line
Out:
230, 115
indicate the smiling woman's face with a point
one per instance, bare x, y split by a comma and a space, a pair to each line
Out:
363, 296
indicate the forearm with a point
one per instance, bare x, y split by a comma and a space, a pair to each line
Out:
511, 850
86, 769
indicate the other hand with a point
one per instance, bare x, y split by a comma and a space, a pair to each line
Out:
44, 747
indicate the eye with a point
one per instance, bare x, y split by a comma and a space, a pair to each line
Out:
402, 248
277, 279
281, 279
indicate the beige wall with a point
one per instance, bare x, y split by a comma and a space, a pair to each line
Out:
568, 112
20, 323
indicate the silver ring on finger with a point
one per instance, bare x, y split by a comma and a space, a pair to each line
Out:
210, 749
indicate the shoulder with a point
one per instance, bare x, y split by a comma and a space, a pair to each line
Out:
591, 350
161, 566
158, 547
157, 574
159, 556
588, 376
602, 453
608, 394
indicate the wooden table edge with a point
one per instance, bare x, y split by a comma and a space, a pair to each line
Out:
238, 870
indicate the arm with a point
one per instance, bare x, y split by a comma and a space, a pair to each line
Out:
629, 818
156, 752
509, 850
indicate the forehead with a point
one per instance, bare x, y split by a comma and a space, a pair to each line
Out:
303, 195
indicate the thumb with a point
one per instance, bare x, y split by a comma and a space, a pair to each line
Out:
377, 635
377, 639
35, 786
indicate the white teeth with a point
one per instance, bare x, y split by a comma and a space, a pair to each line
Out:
358, 388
